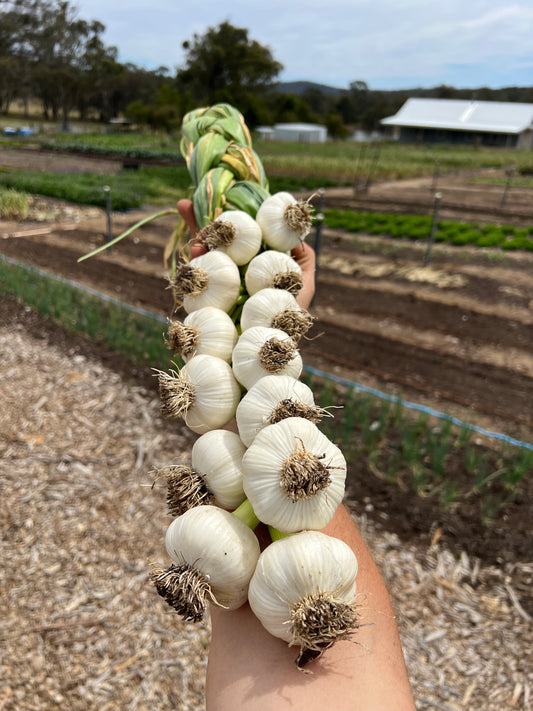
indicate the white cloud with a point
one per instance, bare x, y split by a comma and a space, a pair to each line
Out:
338, 41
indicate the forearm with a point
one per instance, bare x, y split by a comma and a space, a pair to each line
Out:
250, 669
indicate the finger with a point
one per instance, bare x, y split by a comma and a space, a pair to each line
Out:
306, 258
186, 210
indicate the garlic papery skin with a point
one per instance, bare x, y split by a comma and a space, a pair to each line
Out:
214, 556
212, 279
273, 270
235, 233
217, 456
276, 308
204, 393
264, 351
294, 476
303, 590
207, 331
284, 221
271, 399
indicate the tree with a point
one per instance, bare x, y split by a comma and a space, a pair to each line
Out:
225, 65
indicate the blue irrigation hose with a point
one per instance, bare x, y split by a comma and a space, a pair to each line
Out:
307, 368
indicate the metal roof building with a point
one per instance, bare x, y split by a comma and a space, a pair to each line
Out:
300, 132
494, 123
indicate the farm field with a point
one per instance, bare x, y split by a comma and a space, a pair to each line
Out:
456, 336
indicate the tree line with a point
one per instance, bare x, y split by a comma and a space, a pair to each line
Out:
48, 53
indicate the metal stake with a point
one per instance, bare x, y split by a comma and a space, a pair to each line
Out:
510, 175
319, 217
427, 258
107, 191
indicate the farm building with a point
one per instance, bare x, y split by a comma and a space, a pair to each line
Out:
488, 123
298, 132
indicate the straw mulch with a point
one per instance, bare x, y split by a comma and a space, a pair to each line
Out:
81, 626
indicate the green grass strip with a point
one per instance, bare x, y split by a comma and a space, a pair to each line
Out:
122, 330
129, 188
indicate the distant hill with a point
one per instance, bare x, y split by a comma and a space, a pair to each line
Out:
300, 87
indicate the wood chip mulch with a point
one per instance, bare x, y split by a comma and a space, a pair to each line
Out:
81, 626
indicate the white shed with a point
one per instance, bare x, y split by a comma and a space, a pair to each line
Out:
298, 132
496, 123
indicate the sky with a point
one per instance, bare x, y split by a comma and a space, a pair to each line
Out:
389, 44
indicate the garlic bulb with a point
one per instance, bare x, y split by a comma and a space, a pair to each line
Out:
303, 591
271, 399
262, 351
217, 456
276, 308
204, 393
207, 331
284, 221
294, 476
235, 233
212, 279
273, 270
214, 556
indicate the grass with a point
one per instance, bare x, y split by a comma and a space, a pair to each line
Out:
129, 188
121, 330
384, 161
14, 205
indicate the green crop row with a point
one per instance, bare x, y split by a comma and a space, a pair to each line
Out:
116, 152
419, 228
129, 189
122, 330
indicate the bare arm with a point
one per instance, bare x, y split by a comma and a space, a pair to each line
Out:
250, 669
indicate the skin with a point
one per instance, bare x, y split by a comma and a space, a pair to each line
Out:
250, 669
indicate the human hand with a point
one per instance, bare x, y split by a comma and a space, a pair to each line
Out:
303, 254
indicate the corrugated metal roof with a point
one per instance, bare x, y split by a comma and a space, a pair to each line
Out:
457, 114
300, 126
